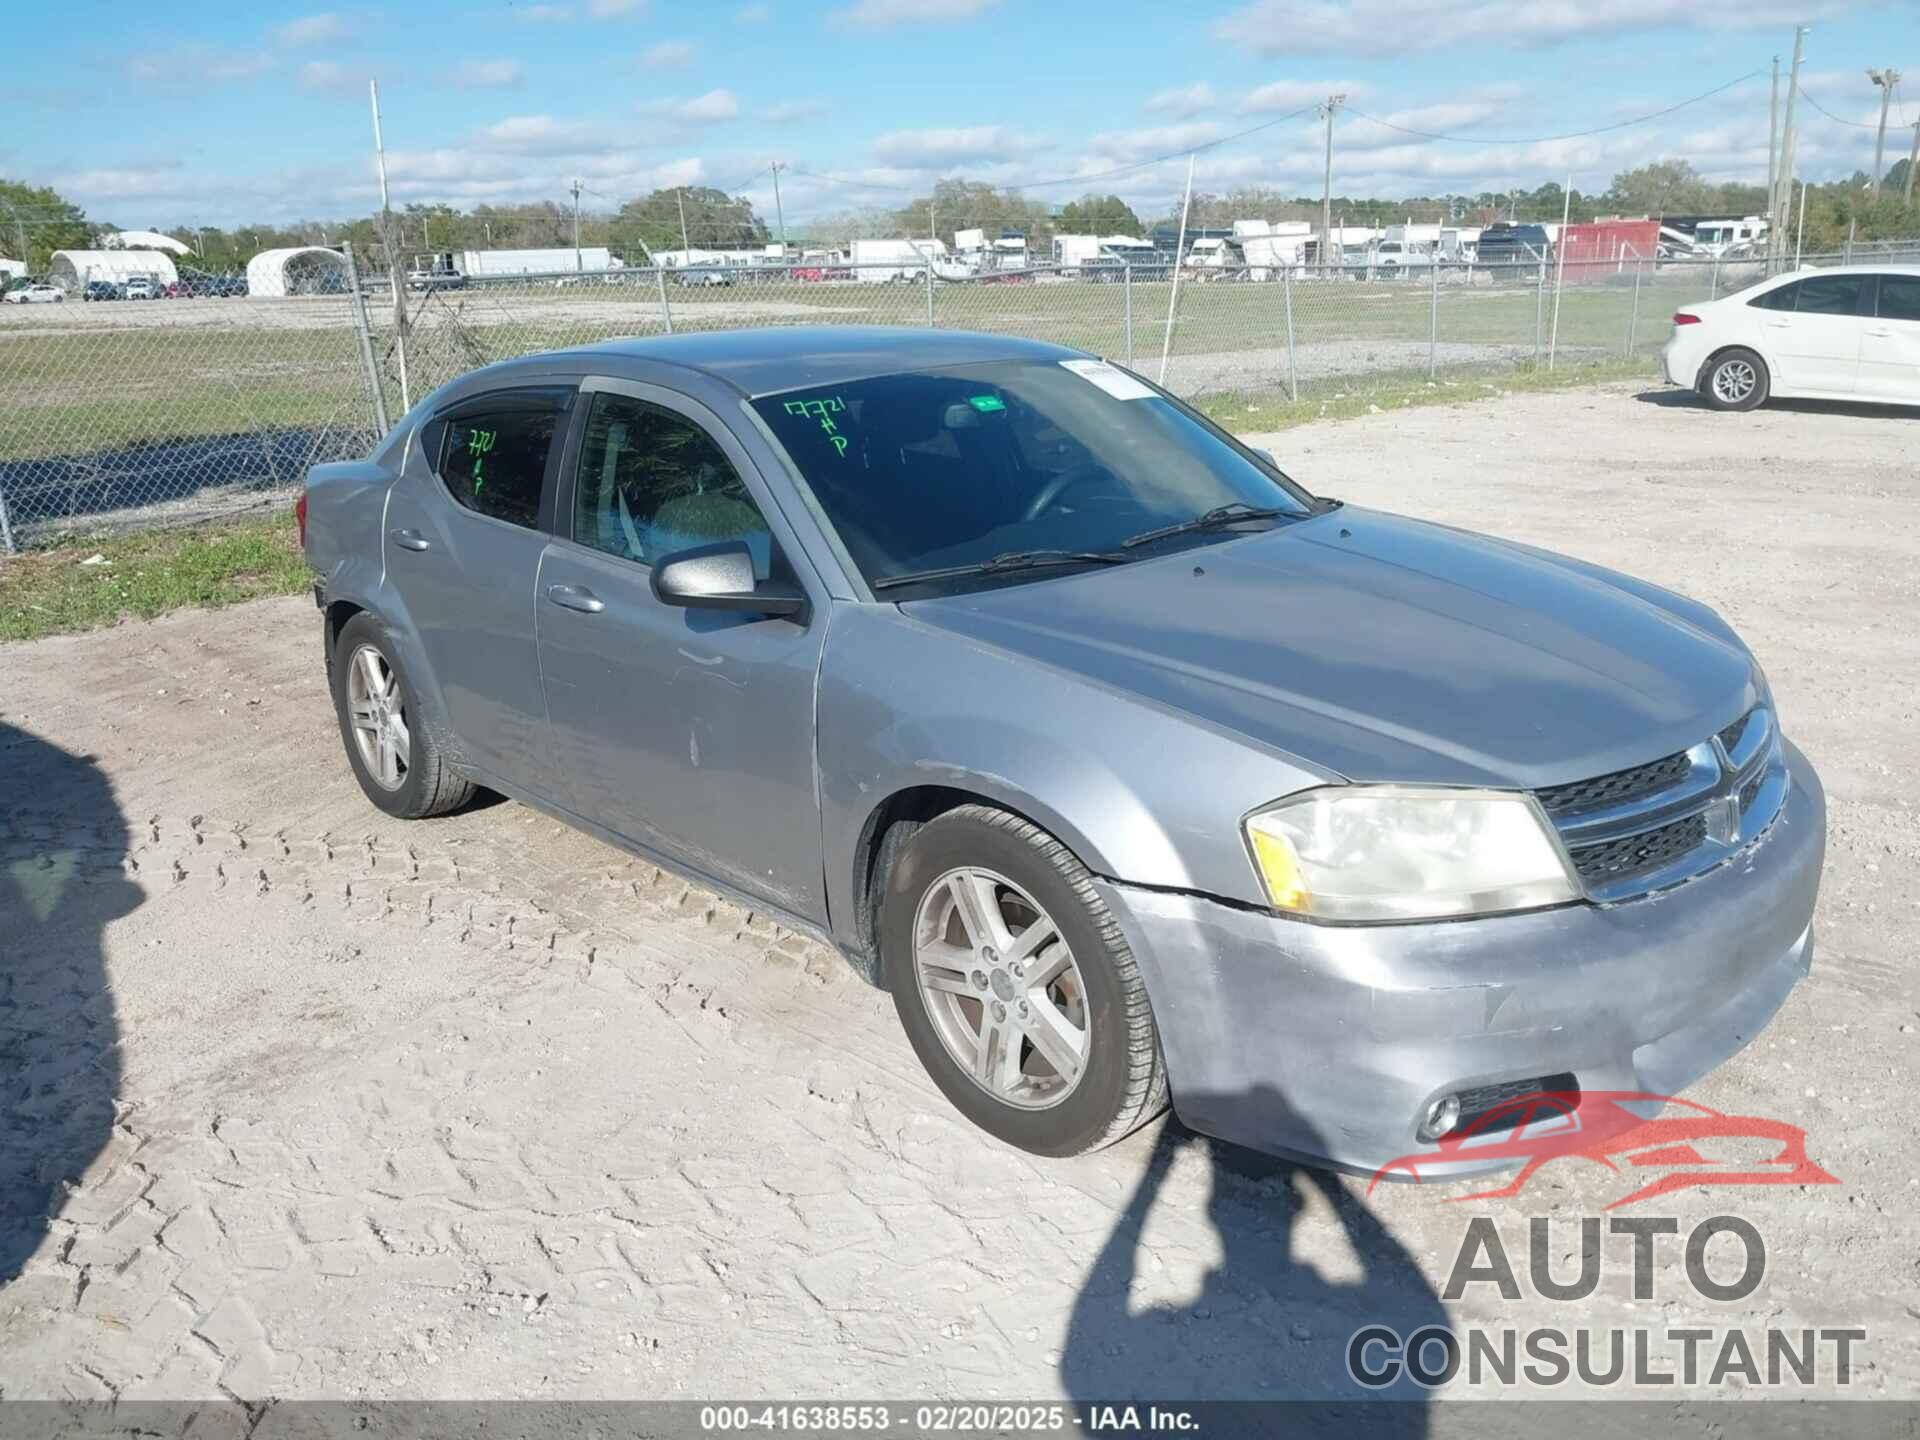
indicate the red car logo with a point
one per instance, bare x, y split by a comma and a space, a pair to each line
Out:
1696, 1146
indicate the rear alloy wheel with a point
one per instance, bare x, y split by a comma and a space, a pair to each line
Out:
1736, 380
1015, 986
392, 750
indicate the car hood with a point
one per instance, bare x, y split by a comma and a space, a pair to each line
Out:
1380, 648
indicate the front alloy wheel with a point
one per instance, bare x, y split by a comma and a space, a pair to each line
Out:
1001, 987
1014, 984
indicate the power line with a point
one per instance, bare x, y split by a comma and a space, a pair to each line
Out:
1838, 120
1570, 135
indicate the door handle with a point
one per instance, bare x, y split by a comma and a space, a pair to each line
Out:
1879, 332
1778, 324
411, 540
576, 597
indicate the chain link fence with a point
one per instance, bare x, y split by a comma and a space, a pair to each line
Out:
131, 413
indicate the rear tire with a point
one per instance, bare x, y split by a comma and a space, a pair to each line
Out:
392, 747
1054, 971
1735, 380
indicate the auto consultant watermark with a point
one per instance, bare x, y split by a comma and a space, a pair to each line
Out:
1657, 1145
1433, 1356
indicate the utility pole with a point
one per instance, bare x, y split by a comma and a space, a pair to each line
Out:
1913, 164
781, 215
1886, 80
1334, 102
576, 223
1773, 131
686, 248
1781, 207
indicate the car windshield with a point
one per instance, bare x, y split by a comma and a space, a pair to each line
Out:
955, 467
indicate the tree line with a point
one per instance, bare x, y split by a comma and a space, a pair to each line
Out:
36, 221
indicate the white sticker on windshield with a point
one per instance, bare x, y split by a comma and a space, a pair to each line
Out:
1116, 383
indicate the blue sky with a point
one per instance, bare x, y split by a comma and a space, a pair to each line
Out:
232, 111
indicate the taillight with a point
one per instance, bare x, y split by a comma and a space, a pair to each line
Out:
300, 517
1681, 317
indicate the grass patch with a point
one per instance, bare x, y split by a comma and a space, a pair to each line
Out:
1250, 412
51, 592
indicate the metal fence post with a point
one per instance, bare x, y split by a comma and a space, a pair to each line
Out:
1126, 286
365, 333
1714, 293
1633, 317
1433, 315
930, 292
1293, 375
6, 526
1539, 309
666, 310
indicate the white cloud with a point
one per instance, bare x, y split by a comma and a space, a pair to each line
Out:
487, 74
322, 29
1183, 102
707, 109
1284, 95
1376, 27
191, 67
668, 55
792, 111
1129, 145
545, 14
753, 14
326, 77
933, 149
615, 9
885, 14
544, 135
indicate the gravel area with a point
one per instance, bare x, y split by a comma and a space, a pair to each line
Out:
311, 1103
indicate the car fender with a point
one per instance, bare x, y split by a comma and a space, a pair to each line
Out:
1139, 792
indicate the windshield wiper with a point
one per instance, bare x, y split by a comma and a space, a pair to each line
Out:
1214, 519
1006, 560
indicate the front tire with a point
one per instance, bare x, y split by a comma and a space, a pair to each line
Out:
1735, 380
1015, 986
391, 747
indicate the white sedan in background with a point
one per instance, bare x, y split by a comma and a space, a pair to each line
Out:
36, 295
1849, 333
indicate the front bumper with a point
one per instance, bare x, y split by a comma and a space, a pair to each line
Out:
1330, 1041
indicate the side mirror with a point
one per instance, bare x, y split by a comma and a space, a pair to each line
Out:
1267, 455
720, 577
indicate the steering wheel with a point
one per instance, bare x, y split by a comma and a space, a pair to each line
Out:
1051, 492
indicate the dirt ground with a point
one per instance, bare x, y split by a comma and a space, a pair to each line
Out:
307, 1102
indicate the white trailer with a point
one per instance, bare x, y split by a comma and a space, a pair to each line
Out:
480, 264
877, 261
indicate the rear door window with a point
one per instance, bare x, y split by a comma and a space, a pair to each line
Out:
1781, 297
1830, 295
493, 453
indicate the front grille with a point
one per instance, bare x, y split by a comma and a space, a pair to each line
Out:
1610, 860
1730, 736
1749, 793
1614, 789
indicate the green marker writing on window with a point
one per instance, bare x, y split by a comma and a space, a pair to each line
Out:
823, 411
480, 445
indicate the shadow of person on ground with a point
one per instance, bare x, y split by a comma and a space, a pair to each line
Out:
1273, 1319
63, 842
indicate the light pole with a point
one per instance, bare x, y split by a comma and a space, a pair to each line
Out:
1334, 102
1886, 80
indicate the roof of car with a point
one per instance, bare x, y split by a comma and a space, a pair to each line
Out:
789, 357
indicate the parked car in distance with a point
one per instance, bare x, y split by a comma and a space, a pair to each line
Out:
142, 287
436, 280
1848, 333
1502, 243
103, 290
35, 294
1130, 767
704, 275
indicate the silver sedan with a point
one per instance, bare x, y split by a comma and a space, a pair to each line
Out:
1134, 771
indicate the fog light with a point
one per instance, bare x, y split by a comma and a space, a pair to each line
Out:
1442, 1115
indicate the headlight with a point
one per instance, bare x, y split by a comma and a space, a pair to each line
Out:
1393, 853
